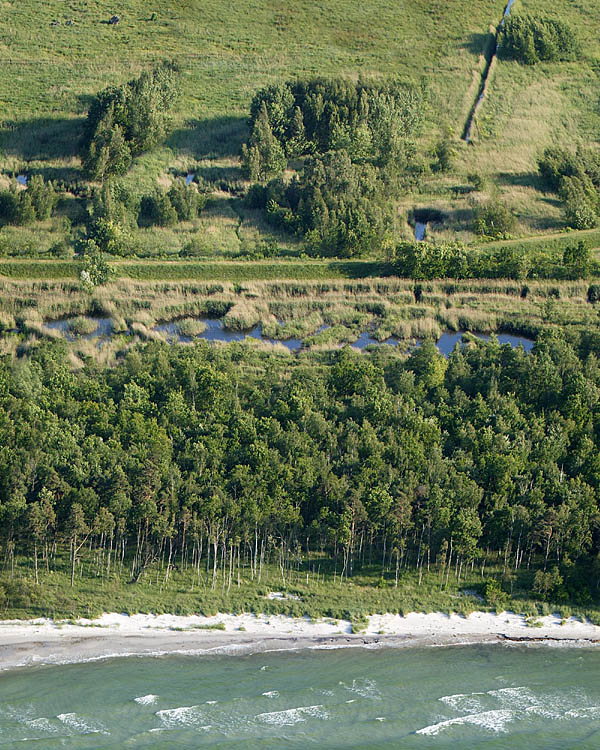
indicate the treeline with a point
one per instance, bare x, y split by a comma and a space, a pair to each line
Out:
223, 457
530, 40
423, 260
351, 144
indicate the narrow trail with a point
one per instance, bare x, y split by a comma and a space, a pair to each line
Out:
484, 79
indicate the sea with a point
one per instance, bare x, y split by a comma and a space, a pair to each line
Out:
475, 696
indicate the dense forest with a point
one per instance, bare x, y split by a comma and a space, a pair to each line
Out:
224, 458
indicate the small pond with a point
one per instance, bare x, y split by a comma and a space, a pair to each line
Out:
215, 331
65, 326
420, 229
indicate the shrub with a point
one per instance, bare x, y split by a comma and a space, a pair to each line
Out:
111, 237
556, 163
157, 209
581, 202
494, 219
593, 293
127, 120
186, 200
577, 259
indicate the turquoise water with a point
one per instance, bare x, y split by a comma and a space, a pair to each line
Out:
461, 697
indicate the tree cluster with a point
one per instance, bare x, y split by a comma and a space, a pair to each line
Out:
35, 203
164, 208
341, 209
531, 40
125, 121
576, 178
203, 456
350, 143
372, 121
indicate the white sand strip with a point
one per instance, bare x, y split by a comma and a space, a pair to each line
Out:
47, 641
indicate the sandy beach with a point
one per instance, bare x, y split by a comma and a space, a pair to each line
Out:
43, 641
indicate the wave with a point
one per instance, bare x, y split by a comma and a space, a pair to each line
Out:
464, 702
293, 715
271, 694
180, 716
146, 700
364, 687
493, 721
81, 725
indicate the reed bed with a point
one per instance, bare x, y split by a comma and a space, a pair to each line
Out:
285, 309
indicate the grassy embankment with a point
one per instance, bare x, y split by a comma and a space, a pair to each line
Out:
226, 56
315, 583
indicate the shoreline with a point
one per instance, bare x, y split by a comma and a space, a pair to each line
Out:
26, 643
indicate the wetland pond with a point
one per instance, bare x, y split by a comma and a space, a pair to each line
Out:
213, 329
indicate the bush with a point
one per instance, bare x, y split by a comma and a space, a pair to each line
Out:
157, 209
577, 260
21, 207
494, 595
186, 200
581, 202
111, 237
127, 120
95, 271
494, 219
556, 163
593, 293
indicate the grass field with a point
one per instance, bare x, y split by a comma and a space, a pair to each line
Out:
49, 73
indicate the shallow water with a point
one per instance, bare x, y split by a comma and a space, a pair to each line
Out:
103, 328
420, 229
461, 697
448, 341
215, 331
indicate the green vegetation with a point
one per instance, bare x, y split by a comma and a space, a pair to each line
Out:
139, 197
531, 40
104, 93
186, 471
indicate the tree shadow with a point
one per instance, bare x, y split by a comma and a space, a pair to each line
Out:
522, 179
212, 138
481, 44
41, 138
223, 177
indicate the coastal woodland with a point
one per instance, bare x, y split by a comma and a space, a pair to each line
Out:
218, 463
366, 176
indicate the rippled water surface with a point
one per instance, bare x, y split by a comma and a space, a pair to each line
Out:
462, 697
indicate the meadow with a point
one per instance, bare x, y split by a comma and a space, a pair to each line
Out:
56, 57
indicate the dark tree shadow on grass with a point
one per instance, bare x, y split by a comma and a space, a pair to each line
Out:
522, 179
214, 138
480, 44
41, 138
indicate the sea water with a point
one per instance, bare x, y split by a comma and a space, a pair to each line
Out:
457, 697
